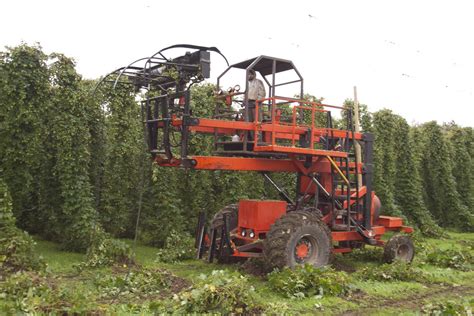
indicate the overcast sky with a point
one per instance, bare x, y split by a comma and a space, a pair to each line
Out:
414, 57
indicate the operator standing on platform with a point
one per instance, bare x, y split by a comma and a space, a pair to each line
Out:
256, 91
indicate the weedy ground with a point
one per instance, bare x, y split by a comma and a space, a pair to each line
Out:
440, 281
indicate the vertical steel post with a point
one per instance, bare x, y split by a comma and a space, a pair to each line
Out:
368, 177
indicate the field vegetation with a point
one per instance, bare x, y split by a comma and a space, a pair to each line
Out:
355, 284
75, 174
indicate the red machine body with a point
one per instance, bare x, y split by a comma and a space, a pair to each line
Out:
258, 215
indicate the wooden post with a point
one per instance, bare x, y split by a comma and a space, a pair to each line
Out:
357, 130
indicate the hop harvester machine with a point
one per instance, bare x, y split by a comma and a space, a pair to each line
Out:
329, 212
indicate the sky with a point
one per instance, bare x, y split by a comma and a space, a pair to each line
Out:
413, 57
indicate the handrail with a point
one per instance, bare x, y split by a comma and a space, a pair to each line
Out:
333, 163
298, 106
306, 101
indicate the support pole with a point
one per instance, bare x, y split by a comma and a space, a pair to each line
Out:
282, 193
357, 130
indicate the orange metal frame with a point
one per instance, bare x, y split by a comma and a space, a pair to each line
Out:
259, 213
254, 164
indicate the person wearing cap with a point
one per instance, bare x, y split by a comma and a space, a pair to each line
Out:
256, 91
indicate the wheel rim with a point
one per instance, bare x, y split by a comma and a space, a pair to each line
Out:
403, 253
305, 249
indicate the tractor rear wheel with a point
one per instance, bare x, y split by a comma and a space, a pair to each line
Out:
232, 214
314, 211
399, 247
298, 238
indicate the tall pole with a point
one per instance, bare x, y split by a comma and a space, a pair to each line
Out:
357, 130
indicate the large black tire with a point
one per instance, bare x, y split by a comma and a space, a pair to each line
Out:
232, 213
399, 247
314, 211
298, 238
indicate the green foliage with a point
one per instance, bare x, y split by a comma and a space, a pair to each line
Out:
219, 292
320, 118
422, 247
308, 281
396, 271
24, 100
397, 178
126, 169
452, 258
365, 117
33, 293
97, 146
16, 246
96, 291
71, 138
106, 252
25, 290
138, 284
374, 254
17, 252
385, 172
45, 145
408, 188
461, 142
449, 308
177, 247
161, 212
441, 196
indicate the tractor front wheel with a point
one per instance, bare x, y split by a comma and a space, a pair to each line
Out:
298, 238
231, 212
399, 247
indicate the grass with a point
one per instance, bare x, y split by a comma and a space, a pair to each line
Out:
394, 289
79, 292
58, 261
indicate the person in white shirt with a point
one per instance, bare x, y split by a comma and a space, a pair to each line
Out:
256, 91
